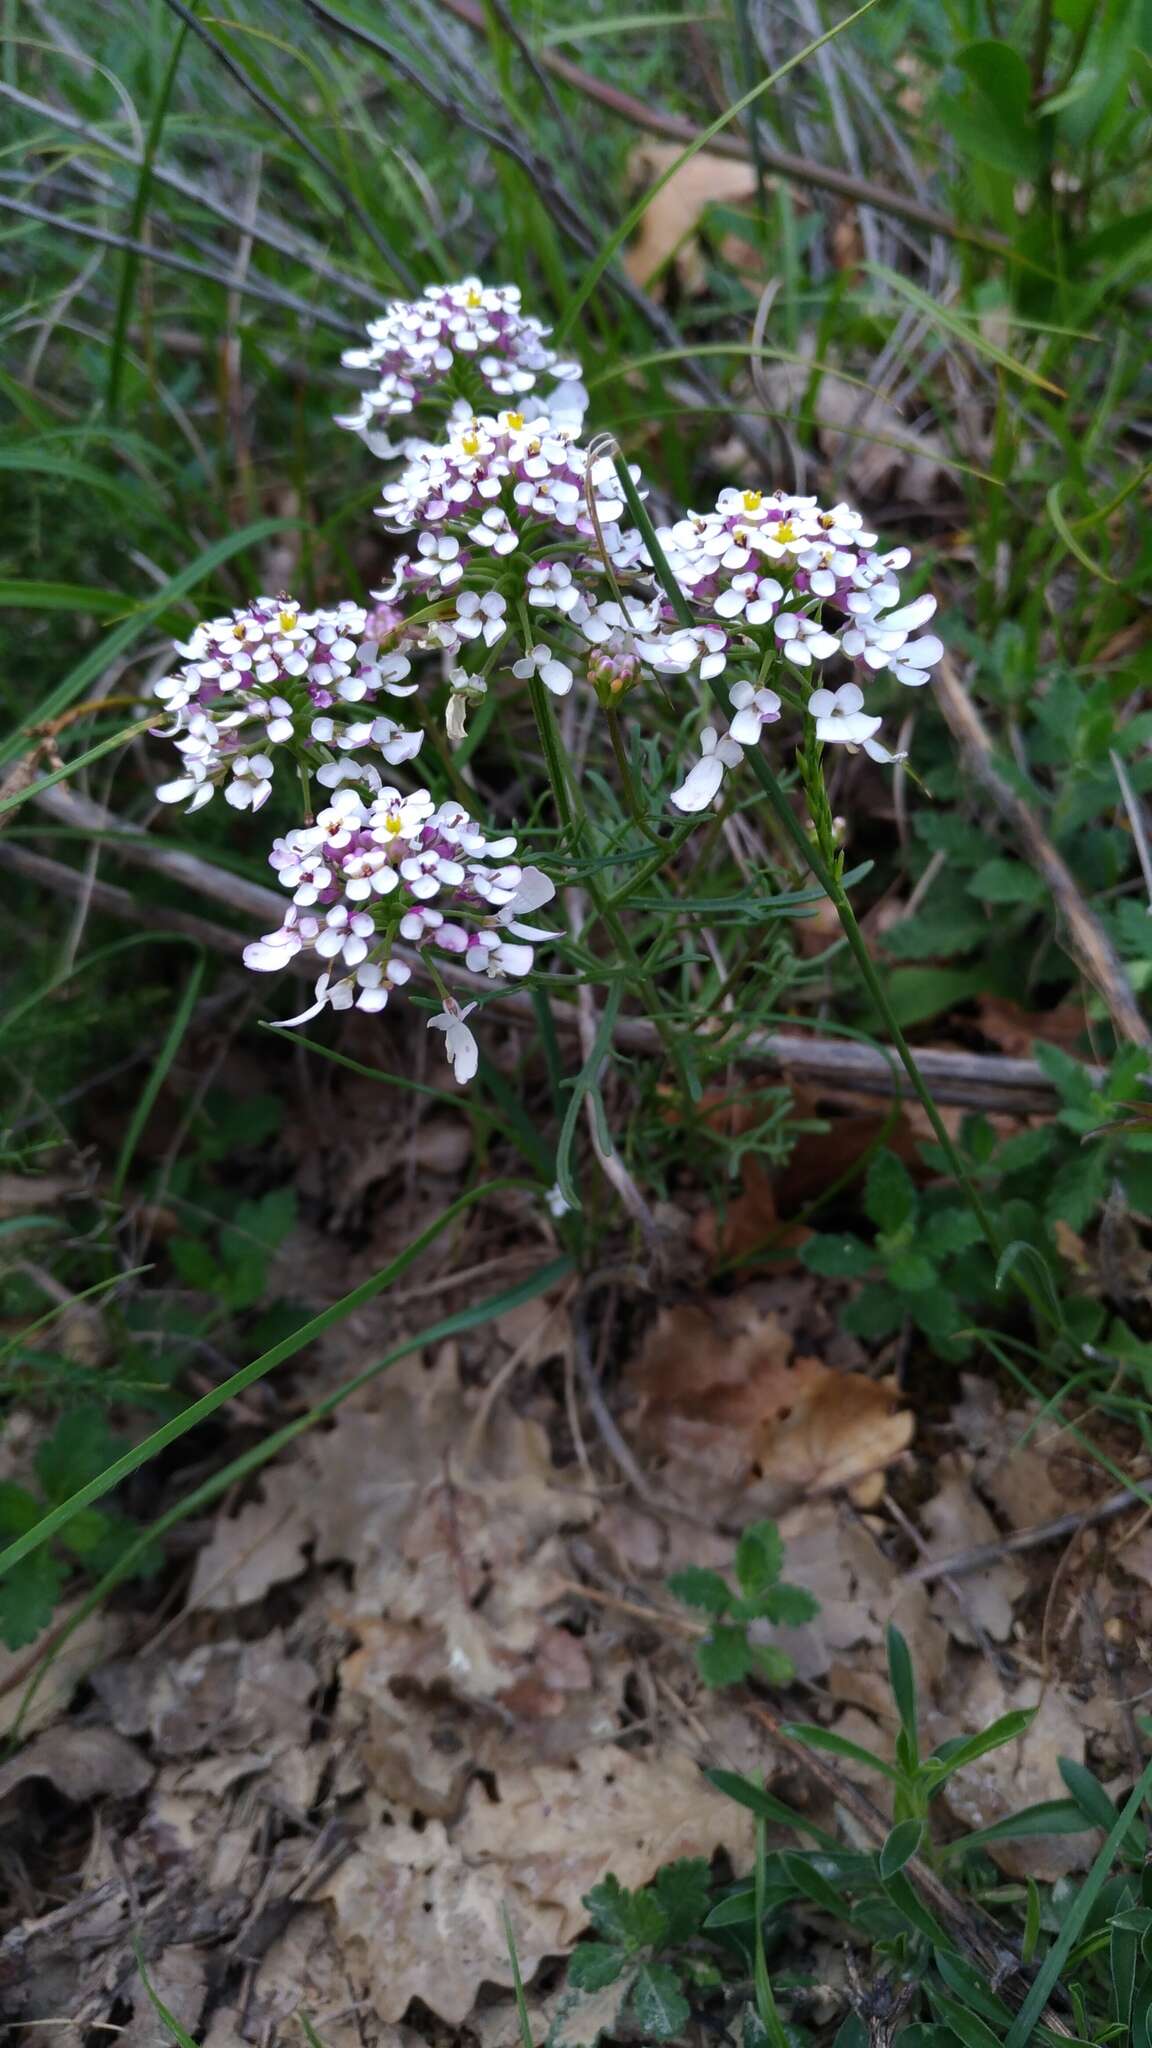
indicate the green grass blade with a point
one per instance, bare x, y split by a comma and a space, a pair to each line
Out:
101, 657
202, 1496
131, 265
163, 1061
64, 597
585, 1084
635, 215
170, 1432
1026, 2019
963, 330
168, 2019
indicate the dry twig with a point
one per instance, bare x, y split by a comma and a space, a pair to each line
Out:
985, 1081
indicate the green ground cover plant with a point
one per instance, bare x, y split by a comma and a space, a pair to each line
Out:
638, 793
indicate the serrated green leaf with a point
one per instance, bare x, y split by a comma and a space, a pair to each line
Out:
1078, 1189
697, 1587
876, 1312
1025, 1150
626, 1919
791, 1606
682, 1888
724, 1658
890, 1199
950, 1230
80, 1446
28, 1597
1007, 881
839, 1258
19, 1509
658, 2002
593, 1965
759, 1558
911, 1272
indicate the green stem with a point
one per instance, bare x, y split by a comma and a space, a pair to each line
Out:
571, 809
635, 808
838, 896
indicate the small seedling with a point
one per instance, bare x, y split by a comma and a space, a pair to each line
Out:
738, 1643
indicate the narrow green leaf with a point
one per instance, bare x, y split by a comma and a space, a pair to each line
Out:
102, 657
202, 1496
899, 1847
1046, 1977
836, 1745
170, 1432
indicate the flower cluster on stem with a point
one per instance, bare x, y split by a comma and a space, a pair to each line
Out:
518, 567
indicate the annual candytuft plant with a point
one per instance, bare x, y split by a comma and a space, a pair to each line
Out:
528, 559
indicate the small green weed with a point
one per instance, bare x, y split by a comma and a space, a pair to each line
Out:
737, 1644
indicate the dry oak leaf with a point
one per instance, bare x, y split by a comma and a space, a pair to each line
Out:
741, 1420
957, 1519
419, 1913
835, 1556
668, 230
82, 1763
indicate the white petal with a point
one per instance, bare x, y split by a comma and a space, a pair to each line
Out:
700, 785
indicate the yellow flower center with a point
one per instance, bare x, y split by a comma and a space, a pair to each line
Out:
237, 632
474, 298
287, 621
470, 443
515, 420
392, 826
752, 500
785, 530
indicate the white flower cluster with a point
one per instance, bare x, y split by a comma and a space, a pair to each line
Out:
273, 675
805, 583
465, 344
519, 503
394, 866
518, 560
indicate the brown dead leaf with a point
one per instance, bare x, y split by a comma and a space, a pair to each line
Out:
1026, 1465
832, 1553
82, 1763
221, 1696
97, 1637
1015, 1030
750, 1224
741, 1420
669, 229
957, 1519
305, 1972
420, 1912
1021, 1774
250, 1552
179, 1979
